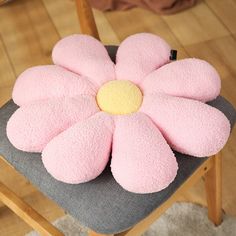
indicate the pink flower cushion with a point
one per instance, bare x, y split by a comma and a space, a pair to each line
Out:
84, 107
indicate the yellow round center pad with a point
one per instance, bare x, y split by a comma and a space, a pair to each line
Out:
119, 97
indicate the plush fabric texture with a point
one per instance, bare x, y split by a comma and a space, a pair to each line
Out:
101, 204
73, 148
181, 120
137, 168
39, 122
140, 54
84, 55
189, 78
76, 148
49, 81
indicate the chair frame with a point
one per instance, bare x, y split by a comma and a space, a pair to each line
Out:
210, 170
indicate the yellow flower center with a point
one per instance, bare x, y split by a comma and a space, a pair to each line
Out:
119, 97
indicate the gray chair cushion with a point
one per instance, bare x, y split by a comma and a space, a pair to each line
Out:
101, 204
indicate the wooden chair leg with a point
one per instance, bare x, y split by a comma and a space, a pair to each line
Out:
27, 213
213, 184
86, 18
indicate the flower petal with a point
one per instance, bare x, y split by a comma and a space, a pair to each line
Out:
189, 78
80, 153
142, 161
140, 54
190, 127
84, 55
32, 126
49, 81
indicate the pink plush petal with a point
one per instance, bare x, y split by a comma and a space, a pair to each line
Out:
189, 126
189, 78
142, 161
32, 126
84, 55
140, 54
49, 81
80, 153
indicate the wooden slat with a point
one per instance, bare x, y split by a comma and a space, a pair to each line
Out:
5, 94
125, 24
196, 25
28, 35
63, 15
19, 37
27, 213
140, 20
195, 194
225, 11
10, 223
45, 31
105, 30
7, 74
213, 183
6, 69
67, 22
23, 40
23, 188
228, 173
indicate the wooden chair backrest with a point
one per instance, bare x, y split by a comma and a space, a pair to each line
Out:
86, 18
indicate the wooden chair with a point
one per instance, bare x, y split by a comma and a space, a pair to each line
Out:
210, 170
